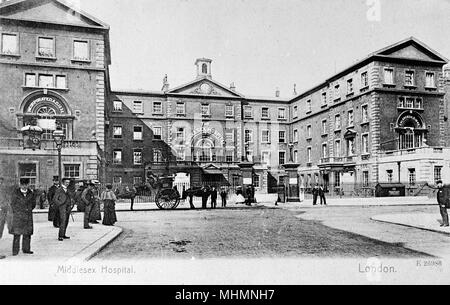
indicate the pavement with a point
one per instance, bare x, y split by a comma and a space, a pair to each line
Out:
428, 222
82, 246
270, 199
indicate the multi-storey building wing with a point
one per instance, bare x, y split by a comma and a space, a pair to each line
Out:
380, 120
54, 62
202, 129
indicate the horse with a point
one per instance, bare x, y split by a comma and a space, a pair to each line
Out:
192, 192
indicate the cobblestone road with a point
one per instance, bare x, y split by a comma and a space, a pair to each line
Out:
261, 232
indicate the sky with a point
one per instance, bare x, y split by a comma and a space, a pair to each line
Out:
260, 45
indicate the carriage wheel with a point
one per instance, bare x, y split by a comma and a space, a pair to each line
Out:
167, 200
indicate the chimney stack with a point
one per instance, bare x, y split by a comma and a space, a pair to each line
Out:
232, 87
295, 90
277, 93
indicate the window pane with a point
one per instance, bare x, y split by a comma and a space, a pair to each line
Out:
430, 80
81, 50
388, 76
229, 110
30, 80
205, 109
28, 170
9, 44
46, 81
117, 105
137, 157
46, 47
137, 133
117, 131
157, 133
117, 156
61, 82
409, 78
137, 107
71, 171
180, 109
157, 107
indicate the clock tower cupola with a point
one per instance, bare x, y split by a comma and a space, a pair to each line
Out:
203, 67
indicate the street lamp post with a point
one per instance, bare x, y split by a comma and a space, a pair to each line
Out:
58, 137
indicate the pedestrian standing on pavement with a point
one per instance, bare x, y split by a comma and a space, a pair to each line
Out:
213, 197
5, 207
223, 195
205, 196
323, 200
63, 200
442, 198
23, 201
109, 202
95, 215
53, 213
88, 199
315, 193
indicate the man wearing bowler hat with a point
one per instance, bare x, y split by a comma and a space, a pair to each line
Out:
63, 201
23, 201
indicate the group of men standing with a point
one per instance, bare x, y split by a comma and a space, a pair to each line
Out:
17, 205
62, 198
319, 191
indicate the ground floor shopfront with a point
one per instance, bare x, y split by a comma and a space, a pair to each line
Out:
80, 160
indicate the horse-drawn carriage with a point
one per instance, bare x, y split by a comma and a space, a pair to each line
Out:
167, 197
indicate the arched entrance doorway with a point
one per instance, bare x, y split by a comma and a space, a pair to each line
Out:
411, 130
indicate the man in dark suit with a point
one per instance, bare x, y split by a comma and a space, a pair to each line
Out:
213, 198
442, 197
315, 193
63, 201
323, 200
205, 196
223, 195
23, 201
53, 213
88, 198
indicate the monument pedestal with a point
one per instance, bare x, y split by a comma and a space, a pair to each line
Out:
293, 194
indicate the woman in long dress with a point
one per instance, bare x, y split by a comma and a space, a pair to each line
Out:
240, 198
109, 201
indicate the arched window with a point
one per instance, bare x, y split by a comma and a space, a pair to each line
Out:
410, 131
205, 69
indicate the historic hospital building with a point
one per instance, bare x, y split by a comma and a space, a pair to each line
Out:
384, 119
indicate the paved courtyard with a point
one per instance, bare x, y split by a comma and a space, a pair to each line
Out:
262, 232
